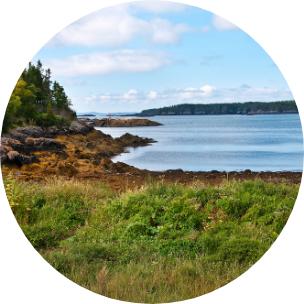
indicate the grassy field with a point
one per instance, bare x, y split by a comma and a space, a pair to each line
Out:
158, 244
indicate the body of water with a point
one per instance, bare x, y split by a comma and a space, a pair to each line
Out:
218, 142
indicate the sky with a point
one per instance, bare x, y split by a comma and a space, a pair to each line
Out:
142, 55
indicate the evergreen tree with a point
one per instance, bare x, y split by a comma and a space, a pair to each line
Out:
47, 86
59, 96
50, 112
39, 77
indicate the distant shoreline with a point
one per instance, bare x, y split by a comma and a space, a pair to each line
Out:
231, 114
85, 115
211, 114
187, 114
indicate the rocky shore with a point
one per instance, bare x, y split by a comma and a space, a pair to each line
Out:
81, 152
120, 122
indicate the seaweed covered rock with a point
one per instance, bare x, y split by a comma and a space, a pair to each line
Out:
17, 158
134, 140
41, 143
117, 122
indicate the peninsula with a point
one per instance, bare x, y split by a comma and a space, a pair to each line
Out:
120, 122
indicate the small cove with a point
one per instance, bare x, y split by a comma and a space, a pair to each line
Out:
217, 142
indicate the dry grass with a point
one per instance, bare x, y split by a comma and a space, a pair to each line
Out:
147, 282
94, 191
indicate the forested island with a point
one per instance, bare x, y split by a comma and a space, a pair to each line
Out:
37, 101
248, 108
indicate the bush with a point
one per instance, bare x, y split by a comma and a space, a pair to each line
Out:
45, 120
235, 207
43, 236
243, 250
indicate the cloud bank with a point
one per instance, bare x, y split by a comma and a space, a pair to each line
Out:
102, 63
135, 100
116, 26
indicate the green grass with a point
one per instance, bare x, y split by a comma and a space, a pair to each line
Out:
158, 244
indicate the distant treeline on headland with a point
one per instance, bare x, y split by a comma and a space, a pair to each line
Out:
249, 108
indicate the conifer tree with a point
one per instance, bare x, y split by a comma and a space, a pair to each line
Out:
50, 112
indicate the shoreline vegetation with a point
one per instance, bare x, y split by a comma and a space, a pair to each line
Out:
130, 234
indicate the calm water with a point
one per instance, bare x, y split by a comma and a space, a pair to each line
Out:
221, 142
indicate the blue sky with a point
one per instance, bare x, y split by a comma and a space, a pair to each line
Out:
142, 55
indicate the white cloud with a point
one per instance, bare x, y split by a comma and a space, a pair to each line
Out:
112, 26
152, 95
100, 63
132, 94
165, 32
115, 26
222, 24
208, 89
136, 100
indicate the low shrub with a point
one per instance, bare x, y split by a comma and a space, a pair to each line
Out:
160, 235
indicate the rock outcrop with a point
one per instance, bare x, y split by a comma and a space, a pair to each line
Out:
63, 151
123, 122
129, 140
82, 152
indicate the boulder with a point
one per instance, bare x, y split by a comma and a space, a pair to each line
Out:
22, 133
13, 143
30, 131
17, 158
41, 143
3, 153
129, 140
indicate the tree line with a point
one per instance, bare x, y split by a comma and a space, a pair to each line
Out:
288, 106
37, 100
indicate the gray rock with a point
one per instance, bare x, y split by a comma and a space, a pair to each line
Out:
13, 143
17, 158
43, 143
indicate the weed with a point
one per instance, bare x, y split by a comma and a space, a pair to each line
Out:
157, 244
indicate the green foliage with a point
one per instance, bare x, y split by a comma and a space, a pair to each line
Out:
45, 120
48, 233
40, 78
225, 108
18, 201
59, 97
50, 112
43, 236
242, 249
21, 104
40, 202
186, 233
33, 95
73, 213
